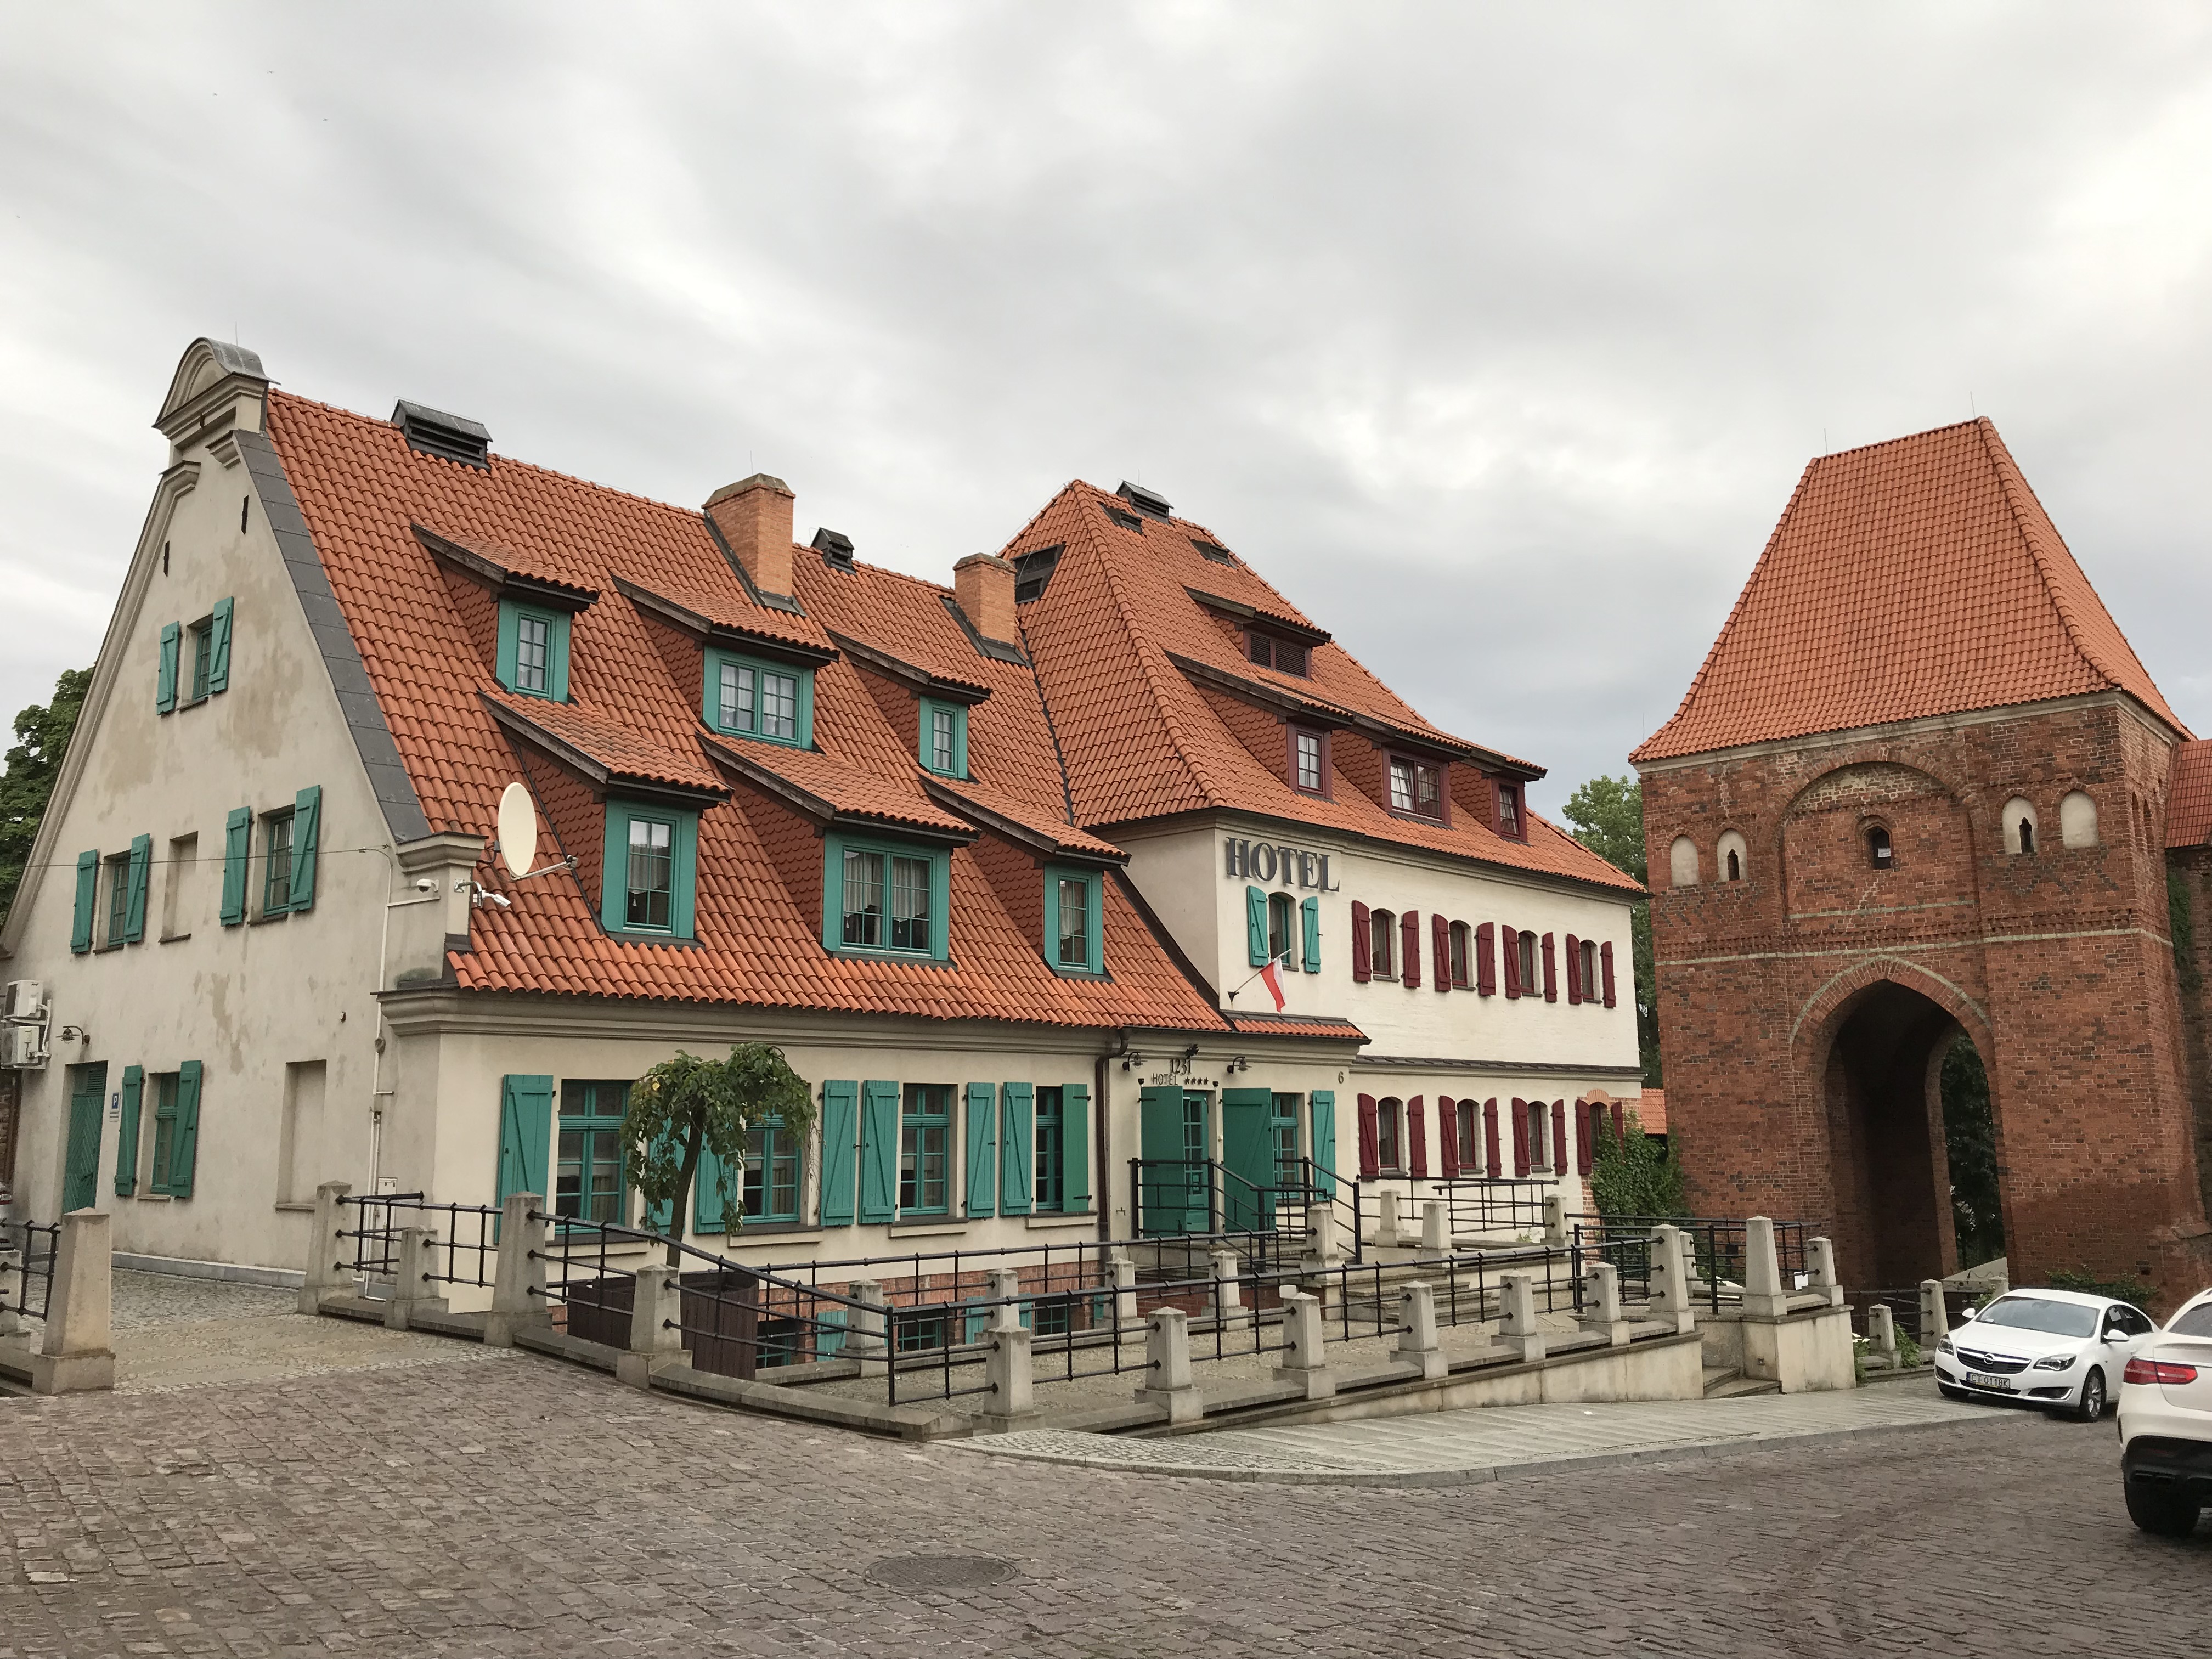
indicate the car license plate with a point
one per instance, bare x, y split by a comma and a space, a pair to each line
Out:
1984, 1380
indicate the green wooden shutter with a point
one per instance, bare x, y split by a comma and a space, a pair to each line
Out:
306, 835
1017, 1147
829, 1331
525, 1131
556, 657
87, 891
1323, 1105
879, 1149
1075, 1148
185, 1139
237, 848
982, 1130
165, 679
126, 1140
707, 1214
1310, 913
840, 1108
142, 866
219, 649
1255, 924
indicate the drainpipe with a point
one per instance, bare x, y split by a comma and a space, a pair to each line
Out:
1101, 1113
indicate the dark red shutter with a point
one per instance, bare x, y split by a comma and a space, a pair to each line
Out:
1440, 938
1362, 943
1509, 947
1417, 1131
1585, 1138
1448, 1136
1370, 1155
1486, 960
1619, 1122
1520, 1137
1409, 949
1605, 962
1574, 968
1490, 1137
1559, 1136
1551, 971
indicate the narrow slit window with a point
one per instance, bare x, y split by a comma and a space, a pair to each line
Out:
1880, 854
1459, 953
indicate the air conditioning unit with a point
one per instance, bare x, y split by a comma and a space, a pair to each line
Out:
23, 1048
26, 1000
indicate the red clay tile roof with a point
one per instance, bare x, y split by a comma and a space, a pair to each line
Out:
1650, 1109
1138, 736
360, 488
2188, 795
602, 745
1906, 578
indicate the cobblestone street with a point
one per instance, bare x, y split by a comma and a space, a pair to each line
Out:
528, 1508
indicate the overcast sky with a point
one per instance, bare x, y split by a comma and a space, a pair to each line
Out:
1495, 337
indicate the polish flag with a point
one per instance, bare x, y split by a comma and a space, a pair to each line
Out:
1274, 984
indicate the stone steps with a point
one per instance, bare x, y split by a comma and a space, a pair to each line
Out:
1726, 1382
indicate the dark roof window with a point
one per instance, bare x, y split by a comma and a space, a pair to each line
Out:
1149, 502
1284, 656
1218, 553
1127, 521
449, 437
1032, 570
836, 547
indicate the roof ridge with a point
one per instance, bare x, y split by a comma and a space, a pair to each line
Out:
885, 570
1908, 438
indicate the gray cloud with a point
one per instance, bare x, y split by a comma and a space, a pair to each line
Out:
1496, 337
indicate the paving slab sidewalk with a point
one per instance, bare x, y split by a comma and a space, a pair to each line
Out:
1491, 1443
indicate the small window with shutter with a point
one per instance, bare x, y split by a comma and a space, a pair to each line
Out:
1525, 977
1382, 945
1459, 955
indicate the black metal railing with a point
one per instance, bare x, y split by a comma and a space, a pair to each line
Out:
27, 1249
1203, 1198
375, 1250
1628, 1247
463, 1248
1472, 1204
1715, 1249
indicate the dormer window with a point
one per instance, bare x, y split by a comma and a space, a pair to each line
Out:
1416, 788
1075, 933
1284, 656
533, 650
1512, 822
885, 898
771, 701
1310, 760
944, 738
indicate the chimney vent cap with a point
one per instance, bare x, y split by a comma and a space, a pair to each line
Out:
835, 547
1150, 501
449, 437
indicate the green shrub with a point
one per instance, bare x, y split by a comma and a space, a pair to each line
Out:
2120, 1290
1632, 1175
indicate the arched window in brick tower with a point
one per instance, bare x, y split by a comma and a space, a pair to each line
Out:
1732, 854
2077, 821
1880, 854
2018, 825
1682, 863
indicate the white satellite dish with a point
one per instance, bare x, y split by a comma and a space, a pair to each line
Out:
517, 829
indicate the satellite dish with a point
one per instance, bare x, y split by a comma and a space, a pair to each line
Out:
517, 829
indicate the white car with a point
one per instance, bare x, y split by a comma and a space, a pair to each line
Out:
2165, 1423
2057, 1349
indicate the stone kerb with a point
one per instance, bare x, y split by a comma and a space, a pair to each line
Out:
77, 1353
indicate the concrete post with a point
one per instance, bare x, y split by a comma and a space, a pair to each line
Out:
1602, 1303
411, 1291
655, 1343
11, 1262
1821, 1257
326, 1249
1125, 1289
1417, 1331
1555, 1220
78, 1353
1935, 1314
1436, 1238
1325, 1234
1517, 1330
1670, 1279
1005, 1310
1764, 1297
866, 1336
1881, 1335
1167, 1359
1228, 1296
1386, 1224
1006, 1369
518, 1291
1305, 1361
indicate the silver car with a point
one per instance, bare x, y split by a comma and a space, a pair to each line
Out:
2061, 1350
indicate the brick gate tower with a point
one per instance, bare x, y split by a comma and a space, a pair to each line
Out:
1921, 786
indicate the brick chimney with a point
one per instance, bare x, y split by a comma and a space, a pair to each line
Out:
983, 584
754, 515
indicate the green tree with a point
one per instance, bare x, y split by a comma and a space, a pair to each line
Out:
1630, 1175
42, 737
1607, 815
1970, 1143
686, 1107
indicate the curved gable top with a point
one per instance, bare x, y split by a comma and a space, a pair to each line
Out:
198, 387
1907, 579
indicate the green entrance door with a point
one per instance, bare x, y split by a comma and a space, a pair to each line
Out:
1247, 1159
81, 1175
1172, 1195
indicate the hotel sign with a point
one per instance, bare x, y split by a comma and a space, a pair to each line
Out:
1275, 861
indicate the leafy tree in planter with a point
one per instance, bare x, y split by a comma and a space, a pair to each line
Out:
686, 1107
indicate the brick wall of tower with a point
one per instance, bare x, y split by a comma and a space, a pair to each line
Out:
2056, 962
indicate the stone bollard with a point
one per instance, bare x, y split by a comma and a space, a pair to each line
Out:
1386, 1222
1305, 1361
411, 1291
866, 1335
1881, 1335
1670, 1279
518, 1290
1436, 1237
1005, 1299
1934, 1315
1325, 1236
1517, 1330
78, 1353
1821, 1257
11, 1263
1124, 1272
1417, 1331
1602, 1303
655, 1343
1555, 1220
1764, 1297
1006, 1370
1167, 1359
1227, 1295
325, 1249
